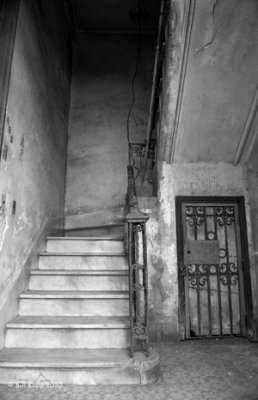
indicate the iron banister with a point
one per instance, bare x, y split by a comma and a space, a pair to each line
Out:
138, 270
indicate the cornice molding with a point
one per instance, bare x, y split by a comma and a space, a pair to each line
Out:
187, 33
181, 21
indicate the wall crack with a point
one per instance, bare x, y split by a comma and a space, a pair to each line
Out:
214, 29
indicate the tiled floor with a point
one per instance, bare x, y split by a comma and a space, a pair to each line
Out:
203, 370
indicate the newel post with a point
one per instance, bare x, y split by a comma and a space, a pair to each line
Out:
138, 281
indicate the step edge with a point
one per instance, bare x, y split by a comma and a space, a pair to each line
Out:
119, 222
89, 272
111, 326
56, 365
79, 295
85, 238
86, 254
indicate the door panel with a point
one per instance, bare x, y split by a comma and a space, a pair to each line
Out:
210, 270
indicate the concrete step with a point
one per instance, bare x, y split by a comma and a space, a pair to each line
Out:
68, 332
112, 280
82, 261
76, 367
74, 303
85, 244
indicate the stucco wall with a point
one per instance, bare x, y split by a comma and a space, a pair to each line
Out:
220, 81
103, 67
183, 179
36, 135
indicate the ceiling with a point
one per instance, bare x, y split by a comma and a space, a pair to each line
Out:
115, 15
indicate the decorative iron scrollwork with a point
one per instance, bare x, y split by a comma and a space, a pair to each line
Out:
197, 280
229, 274
227, 280
198, 274
222, 268
137, 267
195, 215
138, 286
140, 331
137, 153
138, 227
225, 215
190, 210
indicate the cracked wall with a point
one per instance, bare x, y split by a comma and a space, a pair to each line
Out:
220, 80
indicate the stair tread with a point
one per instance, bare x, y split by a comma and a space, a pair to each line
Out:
85, 238
69, 294
64, 358
79, 272
80, 254
63, 322
118, 223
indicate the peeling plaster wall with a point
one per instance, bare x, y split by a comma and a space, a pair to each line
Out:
36, 135
183, 179
103, 67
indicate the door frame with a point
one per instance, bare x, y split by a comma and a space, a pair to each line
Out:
240, 201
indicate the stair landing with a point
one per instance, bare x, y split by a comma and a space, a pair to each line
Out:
78, 367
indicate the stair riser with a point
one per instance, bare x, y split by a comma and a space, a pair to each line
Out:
68, 338
62, 282
87, 246
58, 377
74, 307
83, 262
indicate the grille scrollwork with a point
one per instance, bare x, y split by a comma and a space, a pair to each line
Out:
195, 215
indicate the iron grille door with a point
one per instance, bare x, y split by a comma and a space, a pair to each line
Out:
210, 271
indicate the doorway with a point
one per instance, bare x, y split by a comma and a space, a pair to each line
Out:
213, 267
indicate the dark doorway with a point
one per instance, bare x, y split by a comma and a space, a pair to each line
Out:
214, 280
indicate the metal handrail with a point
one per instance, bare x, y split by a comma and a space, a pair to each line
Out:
155, 83
138, 269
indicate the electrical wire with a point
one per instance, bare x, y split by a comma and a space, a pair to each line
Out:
135, 71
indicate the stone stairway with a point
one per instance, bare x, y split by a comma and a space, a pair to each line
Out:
73, 322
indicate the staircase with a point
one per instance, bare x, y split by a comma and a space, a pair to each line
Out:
73, 322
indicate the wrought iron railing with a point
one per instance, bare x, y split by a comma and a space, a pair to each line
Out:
138, 271
137, 152
157, 87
